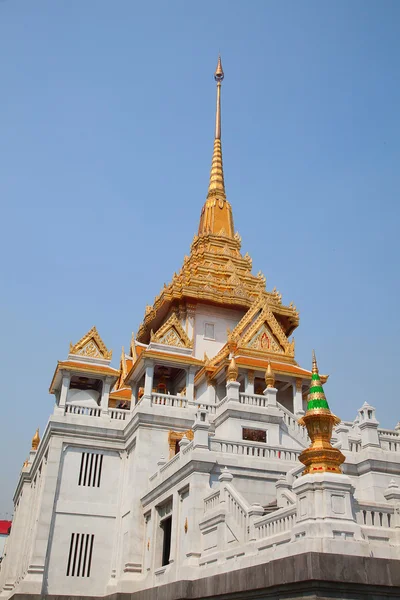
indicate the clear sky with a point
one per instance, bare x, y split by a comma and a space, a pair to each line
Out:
106, 131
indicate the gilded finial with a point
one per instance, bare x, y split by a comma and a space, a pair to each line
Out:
219, 72
314, 363
36, 440
233, 371
269, 376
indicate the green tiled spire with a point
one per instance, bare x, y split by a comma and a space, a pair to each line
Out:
316, 397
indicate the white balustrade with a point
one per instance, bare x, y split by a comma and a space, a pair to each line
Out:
168, 400
76, 409
375, 515
212, 501
257, 450
292, 424
237, 508
188, 449
355, 445
253, 400
212, 408
173, 464
118, 413
280, 521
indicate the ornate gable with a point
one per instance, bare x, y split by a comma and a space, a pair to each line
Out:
91, 345
172, 334
266, 334
264, 340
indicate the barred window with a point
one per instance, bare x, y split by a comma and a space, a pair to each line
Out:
90, 471
80, 555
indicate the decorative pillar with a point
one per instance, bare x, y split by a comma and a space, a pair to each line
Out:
298, 397
392, 495
249, 382
200, 429
270, 391
368, 426
105, 395
66, 379
342, 432
148, 384
190, 373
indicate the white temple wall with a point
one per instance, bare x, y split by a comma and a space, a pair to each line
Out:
211, 339
78, 556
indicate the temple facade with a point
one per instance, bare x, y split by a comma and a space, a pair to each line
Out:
208, 461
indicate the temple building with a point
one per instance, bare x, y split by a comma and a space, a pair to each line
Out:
207, 463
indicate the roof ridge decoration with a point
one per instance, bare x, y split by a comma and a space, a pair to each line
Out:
91, 345
171, 333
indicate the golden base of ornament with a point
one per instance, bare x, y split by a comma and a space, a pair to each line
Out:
320, 457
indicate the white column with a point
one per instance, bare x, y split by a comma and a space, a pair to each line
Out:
134, 396
211, 391
298, 397
190, 383
148, 384
176, 505
64, 389
249, 382
105, 395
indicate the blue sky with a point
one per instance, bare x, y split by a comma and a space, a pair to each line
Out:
106, 122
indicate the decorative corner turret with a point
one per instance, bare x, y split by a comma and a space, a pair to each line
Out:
320, 457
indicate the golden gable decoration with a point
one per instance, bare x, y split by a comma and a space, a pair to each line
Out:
172, 334
91, 345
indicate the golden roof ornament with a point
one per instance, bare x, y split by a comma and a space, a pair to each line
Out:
36, 440
320, 457
233, 370
269, 376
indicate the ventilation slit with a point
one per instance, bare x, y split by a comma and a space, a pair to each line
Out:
70, 553
80, 558
100, 467
90, 555
86, 467
90, 469
81, 469
75, 553
96, 460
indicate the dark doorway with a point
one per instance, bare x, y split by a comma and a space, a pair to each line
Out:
166, 526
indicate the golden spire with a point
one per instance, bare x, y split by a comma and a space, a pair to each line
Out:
36, 440
269, 376
314, 363
216, 216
